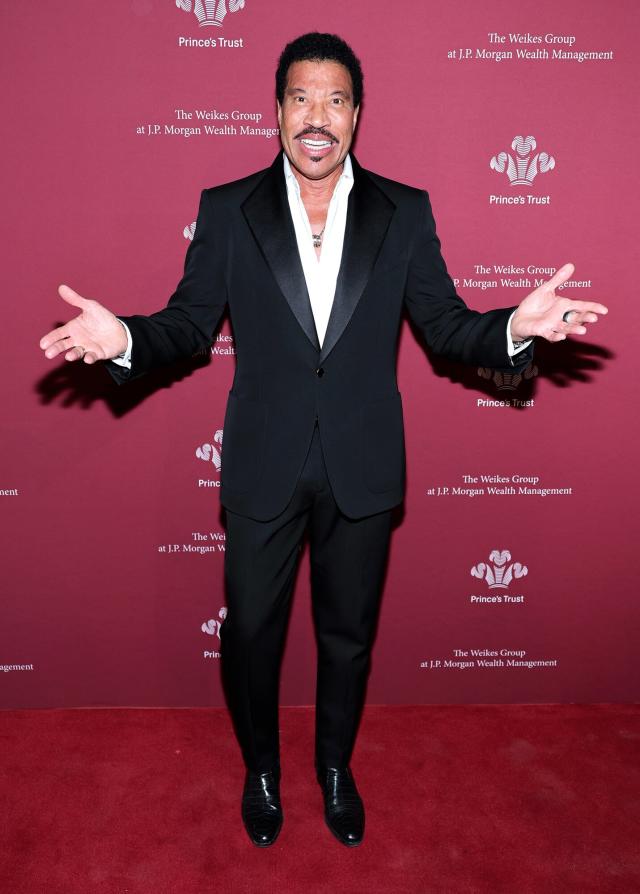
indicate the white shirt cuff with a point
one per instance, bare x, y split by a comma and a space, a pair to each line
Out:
511, 349
125, 358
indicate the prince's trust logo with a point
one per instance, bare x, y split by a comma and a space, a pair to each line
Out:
210, 12
521, 169
212, 628
505, 381
212, 453
500, 573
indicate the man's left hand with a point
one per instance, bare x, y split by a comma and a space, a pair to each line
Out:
553, 316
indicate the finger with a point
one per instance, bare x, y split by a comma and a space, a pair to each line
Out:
90, 358
55, 335
75, 353
555, 332
575, 329
57, 348
585, 306
561, 275
71, 297
588, 318
553, 335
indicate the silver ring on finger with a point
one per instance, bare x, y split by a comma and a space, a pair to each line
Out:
566, 316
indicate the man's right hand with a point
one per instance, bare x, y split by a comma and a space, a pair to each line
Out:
95, 334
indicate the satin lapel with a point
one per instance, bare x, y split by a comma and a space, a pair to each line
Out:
368, 216
267, 212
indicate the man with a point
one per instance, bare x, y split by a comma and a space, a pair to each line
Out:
315, 258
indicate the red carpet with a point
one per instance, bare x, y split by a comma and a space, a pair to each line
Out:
459, 799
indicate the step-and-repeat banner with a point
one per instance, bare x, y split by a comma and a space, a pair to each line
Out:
513, 573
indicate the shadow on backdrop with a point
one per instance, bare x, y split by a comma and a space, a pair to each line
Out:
564, 364
79, 385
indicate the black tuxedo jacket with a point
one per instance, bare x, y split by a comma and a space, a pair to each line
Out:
244, 255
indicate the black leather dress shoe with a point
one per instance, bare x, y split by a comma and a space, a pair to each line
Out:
261, 808
343, 807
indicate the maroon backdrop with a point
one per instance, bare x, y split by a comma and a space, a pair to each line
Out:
512, 574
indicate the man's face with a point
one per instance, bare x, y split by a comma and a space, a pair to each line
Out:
317, 117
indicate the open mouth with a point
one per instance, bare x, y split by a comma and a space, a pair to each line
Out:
316, 146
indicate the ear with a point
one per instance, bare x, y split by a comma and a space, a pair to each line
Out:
279, 111
356, 112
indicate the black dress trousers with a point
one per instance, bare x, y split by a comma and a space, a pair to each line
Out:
348, 560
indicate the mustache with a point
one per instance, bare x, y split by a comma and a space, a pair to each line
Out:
316, 132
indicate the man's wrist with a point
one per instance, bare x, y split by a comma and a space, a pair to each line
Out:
124, 358
517, 337
515, 346
127, 338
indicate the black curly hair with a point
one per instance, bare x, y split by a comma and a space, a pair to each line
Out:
318, 47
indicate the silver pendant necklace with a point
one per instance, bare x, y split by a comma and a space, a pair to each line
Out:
317, 237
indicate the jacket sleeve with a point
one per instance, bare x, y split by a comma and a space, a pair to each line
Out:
187, 324
447, 325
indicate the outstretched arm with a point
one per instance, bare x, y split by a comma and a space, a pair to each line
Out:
183, 327
448, 326
452, 329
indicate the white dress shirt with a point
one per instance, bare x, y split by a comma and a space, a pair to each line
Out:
321, 273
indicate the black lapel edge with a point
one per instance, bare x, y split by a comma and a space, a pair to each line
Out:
368, 217
267, 213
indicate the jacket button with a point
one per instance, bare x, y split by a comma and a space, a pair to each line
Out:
320, 372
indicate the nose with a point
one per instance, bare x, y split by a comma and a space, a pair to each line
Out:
316, 115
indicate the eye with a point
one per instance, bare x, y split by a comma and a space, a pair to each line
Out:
337, 101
